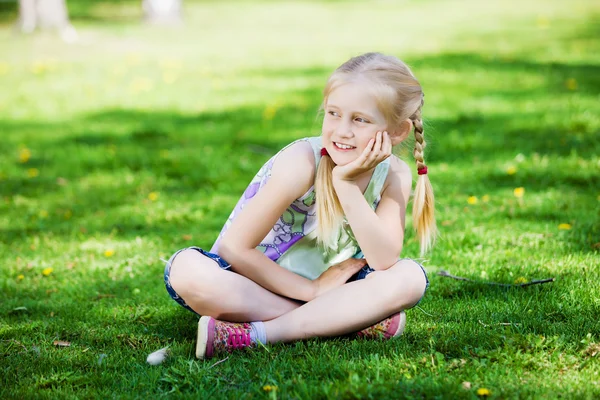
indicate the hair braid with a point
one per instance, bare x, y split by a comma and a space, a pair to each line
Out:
423, 202
420, 143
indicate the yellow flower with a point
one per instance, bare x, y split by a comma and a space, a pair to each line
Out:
519, 192
511, 170
269, 388
520, 280
33, 172
485, 198
483, 392
47, 271
20, 277
38, 67
169, 77
564, 227
133, 59
109, 253
269, 112
4, 68
153, 196
542, 22
139, 85
571, 84
43, 214
24, 155
170, 64
472, 200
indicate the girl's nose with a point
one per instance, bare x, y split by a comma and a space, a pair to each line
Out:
344, 129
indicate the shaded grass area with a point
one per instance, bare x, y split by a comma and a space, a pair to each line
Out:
115, 173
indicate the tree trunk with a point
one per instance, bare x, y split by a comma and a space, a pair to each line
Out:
46, 14
162, 11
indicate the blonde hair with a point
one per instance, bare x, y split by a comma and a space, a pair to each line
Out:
399, 96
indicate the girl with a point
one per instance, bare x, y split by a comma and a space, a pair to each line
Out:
293, 254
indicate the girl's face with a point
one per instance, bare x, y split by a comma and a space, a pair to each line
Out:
352, 118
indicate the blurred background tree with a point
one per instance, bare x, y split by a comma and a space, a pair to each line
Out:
162, 11
46, 14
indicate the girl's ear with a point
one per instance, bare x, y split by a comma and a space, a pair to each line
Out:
401, 133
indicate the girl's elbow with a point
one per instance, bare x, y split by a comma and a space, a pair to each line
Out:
384, 263
227, 250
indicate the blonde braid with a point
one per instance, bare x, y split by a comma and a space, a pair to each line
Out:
423, 202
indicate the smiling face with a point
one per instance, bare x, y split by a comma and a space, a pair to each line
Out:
352, 118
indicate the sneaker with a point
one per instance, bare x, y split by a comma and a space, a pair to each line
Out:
388, 328
216, 336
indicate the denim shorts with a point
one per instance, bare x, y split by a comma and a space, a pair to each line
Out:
362, 274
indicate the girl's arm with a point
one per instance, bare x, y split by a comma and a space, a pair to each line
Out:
291, 176
379, 233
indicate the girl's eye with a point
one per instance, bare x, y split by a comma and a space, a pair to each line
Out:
359, 119
333, 113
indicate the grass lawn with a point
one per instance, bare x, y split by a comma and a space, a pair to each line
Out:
136, 141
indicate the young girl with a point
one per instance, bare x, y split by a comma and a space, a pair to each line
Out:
312, 248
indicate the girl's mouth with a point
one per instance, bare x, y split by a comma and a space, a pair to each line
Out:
343, 147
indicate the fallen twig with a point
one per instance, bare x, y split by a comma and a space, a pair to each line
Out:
460, 278
500, 323
219, 362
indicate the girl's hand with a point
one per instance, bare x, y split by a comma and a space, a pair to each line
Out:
337, 275
376, 151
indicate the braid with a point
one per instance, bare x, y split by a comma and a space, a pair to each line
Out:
423, 204
420, 143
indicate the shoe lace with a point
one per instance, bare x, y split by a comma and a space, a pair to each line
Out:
238, 338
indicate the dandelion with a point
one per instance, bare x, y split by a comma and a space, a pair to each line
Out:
564, 227
20, 277
472, 200
109, 253
47, 271
39, 67
269, 388
542, 22
519, 192
170, 64
140, 85
153, 196
483, 392
511, 170
571, 84
24, 155
520, 280
269, 112
133, 59
485, 198
33, 172
4, 68
169, 77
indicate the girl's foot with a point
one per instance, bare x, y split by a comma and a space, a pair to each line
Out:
388, 328
216, 336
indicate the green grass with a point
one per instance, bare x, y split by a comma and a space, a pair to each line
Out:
138, 141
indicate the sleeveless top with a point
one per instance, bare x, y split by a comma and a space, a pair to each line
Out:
292, 242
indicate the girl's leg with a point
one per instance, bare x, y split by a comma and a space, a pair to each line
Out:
222, 294
352, 306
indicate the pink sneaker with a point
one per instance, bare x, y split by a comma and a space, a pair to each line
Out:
218, 336
388, 328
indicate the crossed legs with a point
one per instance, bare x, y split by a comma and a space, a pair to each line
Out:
228, 296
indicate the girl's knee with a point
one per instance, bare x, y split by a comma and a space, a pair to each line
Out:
408, 282
190, 272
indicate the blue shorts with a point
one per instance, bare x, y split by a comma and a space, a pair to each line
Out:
362, 274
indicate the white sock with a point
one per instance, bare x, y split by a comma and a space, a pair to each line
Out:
258, 333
